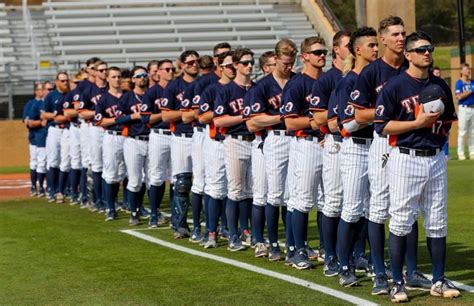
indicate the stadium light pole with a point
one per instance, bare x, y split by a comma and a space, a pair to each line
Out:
462, 50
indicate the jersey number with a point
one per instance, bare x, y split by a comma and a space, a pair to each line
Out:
436, 128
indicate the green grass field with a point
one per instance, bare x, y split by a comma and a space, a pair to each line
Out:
59, 254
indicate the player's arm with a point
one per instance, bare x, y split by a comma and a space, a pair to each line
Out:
206, 118
320, 117
252, 126
70, 113
423, 120
364, 115
171, 115
297, 123
86, 114
156, 118
60, 119
264, 120
227, 121
187, 116
33, 124
332, 125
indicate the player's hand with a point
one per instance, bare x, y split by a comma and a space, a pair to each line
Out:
426, 119
44, 123
136, 116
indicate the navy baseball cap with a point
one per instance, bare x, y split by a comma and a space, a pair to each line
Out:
430, 93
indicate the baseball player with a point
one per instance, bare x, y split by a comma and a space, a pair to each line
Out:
159, 144
365, 92
267, 62
86, 113
153, 72
363, 46
135, 114
214, 162
55, 130
37, 140
320, 98
181, 141
228, 109
417, 166
306, 153
264, 110
107, 111
463, 90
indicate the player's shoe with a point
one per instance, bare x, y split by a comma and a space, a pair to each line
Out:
162, 220
246, 238
41, 193
196, 236
275, 253
33, 192
235, 244
312, 253
111, 215
133, 221
223, 233
461, 157
211, 241
205, 238
444, 288
398, 293
59, 198
181, 233
144, 213
380, 285
153, 223
74, 201
417, 281
301, 260
289, 258
361, 264
347, 277
261, 250
331, 268
321, 255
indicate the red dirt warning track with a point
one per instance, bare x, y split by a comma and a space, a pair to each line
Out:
14, 186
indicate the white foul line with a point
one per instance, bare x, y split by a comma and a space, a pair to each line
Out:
290, 279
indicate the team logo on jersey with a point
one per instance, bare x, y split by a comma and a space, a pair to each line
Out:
246, 110
158, 102
315, 100
289, 107
380, 110
185, 103
350, 110
164, 102
335, 109
98, 117
255, 107
81, 105
65, 104
379, 88
355, 95
220, 110
75, 98
196, 99
204, 107
143, 107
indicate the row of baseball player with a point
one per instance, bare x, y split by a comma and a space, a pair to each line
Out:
361, 143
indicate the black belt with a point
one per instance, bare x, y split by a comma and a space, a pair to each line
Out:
140, 137
418, 152
244, 137
161, 131
114, 132
359, 140
466, 105
199, 128
337, 138
186, 135
279, 132
311, 138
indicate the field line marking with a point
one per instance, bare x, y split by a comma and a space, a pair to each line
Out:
290, 279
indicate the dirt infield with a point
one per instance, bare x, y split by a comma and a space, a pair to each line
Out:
14, 186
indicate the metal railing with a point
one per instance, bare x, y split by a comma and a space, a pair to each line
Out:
31, 37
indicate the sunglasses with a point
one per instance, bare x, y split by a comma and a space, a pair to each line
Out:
141, 76
191, 63
319, 52
229, 66
422, 49
168, 69
102, 70
50, 89
246, 63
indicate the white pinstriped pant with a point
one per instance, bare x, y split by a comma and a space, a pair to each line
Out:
53, 147
181, 161
290, 181
198, 161
378, 179
333, 193
418, 183
75, 147
355, 181
238, 167
85, 144
38, 158
277, 154
259, 175
135, 155
65, 164
159, 156
307, 157
96, 139
114, 169
214, 166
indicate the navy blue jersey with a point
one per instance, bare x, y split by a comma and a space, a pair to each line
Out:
130, 103
371, 81
38, 135
200, 85
265, 98
346, 111
68, 103
296, 100
322, 89
399, 101
107, 107
51, 104
172, 99
333, 108
87, 91
230, 102
206, 104
153, 97
26, 111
